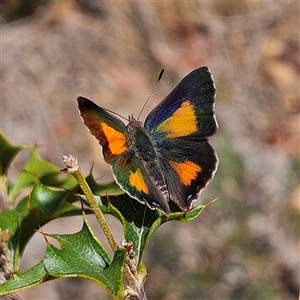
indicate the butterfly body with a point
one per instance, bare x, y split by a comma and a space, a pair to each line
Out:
169, 158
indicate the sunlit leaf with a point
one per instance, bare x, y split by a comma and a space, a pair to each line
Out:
82, 255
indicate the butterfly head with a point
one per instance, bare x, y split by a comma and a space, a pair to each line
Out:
133, 123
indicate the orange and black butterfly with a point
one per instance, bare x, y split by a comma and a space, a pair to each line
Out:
169, 158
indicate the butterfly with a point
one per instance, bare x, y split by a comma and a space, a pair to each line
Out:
169, 158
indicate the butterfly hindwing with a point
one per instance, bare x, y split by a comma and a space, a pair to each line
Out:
188, 168
140, 181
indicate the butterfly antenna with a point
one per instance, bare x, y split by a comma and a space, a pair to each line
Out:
114, 113
158, 79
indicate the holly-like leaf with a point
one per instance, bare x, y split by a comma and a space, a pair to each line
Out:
35, 168
29, 278
82, 255
7, 153
138, 220
40, 207
103, 189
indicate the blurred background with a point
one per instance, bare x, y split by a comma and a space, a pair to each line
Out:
245, 245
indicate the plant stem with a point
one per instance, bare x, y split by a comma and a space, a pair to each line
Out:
73, 168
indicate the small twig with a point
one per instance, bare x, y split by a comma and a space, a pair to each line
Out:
72, 167
135, 290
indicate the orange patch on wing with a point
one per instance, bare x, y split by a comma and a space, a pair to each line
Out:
186, 170
136, 180
116, 140
183, 121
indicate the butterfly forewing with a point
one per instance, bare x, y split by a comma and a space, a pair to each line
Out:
108, 130
188, 110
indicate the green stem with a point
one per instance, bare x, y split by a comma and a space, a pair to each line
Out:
73, 168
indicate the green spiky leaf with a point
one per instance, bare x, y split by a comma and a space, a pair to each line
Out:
82, 255
7, 153
139, 222
40, 207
